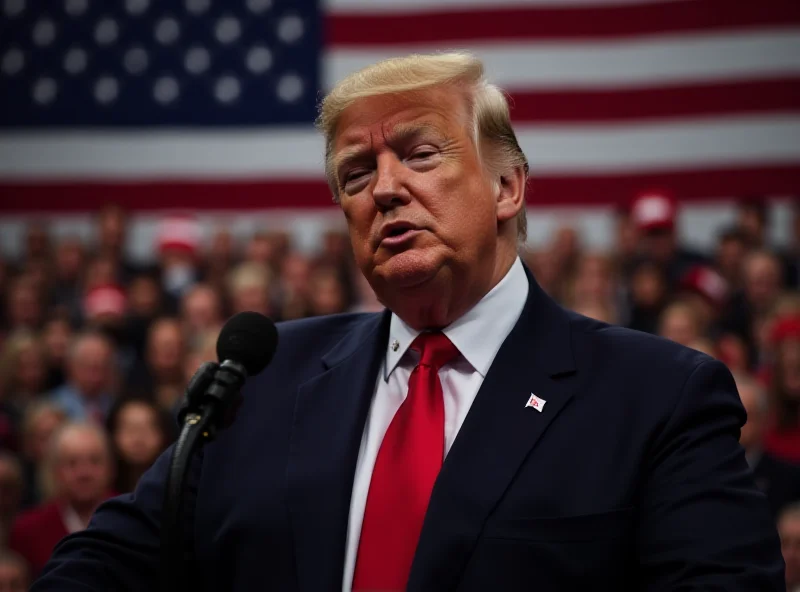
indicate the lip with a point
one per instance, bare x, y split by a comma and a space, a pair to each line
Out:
387, 238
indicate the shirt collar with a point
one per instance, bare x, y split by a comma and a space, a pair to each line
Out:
479, 333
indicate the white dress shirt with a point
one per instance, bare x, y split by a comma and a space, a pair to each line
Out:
478, 336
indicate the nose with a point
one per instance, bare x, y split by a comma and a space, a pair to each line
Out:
390, 190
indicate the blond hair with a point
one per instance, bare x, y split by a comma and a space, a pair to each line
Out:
248, 275
487, 105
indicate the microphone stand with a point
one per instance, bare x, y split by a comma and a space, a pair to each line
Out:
208, 397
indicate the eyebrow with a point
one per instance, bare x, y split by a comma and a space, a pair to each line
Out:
402, 132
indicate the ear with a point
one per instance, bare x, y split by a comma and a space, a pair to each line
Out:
510, 194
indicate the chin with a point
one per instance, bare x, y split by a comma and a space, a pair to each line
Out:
408, 269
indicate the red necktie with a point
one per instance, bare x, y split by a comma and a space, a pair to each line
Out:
408, 462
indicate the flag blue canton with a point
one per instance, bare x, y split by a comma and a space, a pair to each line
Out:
152, 63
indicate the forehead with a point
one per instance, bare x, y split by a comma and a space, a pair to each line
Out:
80, 442
371, 119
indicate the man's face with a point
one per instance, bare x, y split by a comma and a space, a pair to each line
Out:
165, 347
789, 530
411, 160
83, 470
91, 368
762, 281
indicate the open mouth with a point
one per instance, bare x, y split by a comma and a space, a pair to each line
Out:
398, 234
399, 231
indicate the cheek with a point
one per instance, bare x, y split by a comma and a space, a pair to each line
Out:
360, 216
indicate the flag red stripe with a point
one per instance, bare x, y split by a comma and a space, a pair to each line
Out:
545, 191
777, 95
570, 23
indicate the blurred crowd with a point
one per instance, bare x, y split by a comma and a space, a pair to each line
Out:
95, 351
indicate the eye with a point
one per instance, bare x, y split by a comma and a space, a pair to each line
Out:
423, 153
354, 175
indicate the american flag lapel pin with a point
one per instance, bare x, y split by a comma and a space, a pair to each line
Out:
536, 402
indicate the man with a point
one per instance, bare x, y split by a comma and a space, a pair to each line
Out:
80, 468
201, 311
655, 215
576, 455
779, 480
789, 529
762, 286
161, 373
90, 369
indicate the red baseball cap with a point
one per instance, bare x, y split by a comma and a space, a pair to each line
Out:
106, 299
705, 281
179, 233
654, 211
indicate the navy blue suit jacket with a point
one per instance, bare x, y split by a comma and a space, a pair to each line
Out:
630, 478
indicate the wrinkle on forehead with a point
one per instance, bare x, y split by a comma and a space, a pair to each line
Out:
393, 118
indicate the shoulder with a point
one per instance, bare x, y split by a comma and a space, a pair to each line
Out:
629, 346
642, 364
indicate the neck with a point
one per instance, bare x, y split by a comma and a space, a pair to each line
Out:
443, 303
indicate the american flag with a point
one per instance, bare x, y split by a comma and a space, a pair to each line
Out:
210, 103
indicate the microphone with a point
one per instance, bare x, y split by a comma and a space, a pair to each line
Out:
245, 347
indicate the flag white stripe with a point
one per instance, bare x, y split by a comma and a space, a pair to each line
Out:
652, 60
406, 6
685, 144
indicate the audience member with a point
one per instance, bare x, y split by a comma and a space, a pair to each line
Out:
680, 323
655, 215
703, 288
41, 421
24, 308
201, 311
79, 464
783, 432
250, 288
295, 279
779, 480
752, 221
56, 336
161, 373
178, 247
327, 292
648, 295
762, 285
111, 241
140, 431
67, 285
730, 254
88, 392
23, 377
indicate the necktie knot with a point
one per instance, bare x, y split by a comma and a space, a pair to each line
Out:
435, 349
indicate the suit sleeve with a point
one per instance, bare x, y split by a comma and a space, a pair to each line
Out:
120, 548
703, 525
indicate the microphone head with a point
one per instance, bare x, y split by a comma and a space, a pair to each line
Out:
250, 339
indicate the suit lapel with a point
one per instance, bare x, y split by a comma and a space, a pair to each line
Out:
498, 433
329, 419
